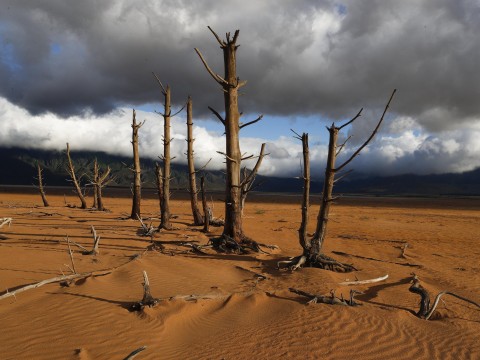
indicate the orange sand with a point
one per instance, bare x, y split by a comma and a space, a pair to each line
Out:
249, 319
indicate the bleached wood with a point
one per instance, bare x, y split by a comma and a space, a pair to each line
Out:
361, 282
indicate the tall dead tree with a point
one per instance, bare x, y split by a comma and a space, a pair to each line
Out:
206, 210
312, 248
197, 216
231, 84
167, 115
159, 183
100, 180
137, 172
40, 185
73, 177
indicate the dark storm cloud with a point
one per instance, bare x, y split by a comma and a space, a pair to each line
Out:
300, 57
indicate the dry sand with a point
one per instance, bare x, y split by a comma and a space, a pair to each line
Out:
248, 318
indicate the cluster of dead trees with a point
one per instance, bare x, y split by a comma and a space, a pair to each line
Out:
238, 183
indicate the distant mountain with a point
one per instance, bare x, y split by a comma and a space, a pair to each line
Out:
17, 167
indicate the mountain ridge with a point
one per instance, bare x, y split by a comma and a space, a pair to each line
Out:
53, 162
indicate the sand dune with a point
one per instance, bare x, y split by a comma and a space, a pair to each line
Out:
242, 316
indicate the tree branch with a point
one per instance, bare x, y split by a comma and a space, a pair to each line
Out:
216, 77
252, 122
371, 136
160, 83
351, 121
220, 41
215, 112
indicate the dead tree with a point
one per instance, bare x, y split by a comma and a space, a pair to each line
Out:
206, 210
167, 115
100, 180
137, 172
312, 248
248, 179
95, 176
197, 216
159, 183
231, 84
40, 185
73, 177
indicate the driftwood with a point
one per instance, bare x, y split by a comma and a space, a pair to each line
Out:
146, 230
53, 280
96, 242
5, 221
361, 282
426, 311
134, 353
328, 299
148, 299
71, 256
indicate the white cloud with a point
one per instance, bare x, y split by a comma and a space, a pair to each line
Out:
402, 146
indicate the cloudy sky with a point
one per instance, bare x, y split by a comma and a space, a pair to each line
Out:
74, 70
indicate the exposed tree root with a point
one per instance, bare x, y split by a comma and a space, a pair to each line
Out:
331, 299
426, 311
145, 230
227, 244
319, 261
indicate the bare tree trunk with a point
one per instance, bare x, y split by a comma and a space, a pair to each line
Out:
167, 115
302, 231
137, 182
99, 181
206, 210
165, 204
197, 216
231, 84
95, 181
322, 220
103, 180
71, 172
40, 185
159, 183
